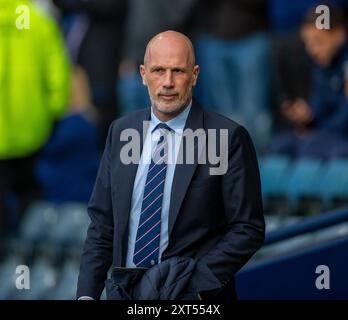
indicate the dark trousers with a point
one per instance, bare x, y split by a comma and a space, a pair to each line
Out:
18, 188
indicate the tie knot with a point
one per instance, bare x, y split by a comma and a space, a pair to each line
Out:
163, 127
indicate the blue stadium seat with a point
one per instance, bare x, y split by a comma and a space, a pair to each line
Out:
67, 283
38, 221
71, 226
334, 181
274, 173
8, 276
303, 180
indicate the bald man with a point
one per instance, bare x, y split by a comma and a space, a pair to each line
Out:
176, 209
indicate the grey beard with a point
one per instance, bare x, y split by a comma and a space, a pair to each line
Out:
175, 110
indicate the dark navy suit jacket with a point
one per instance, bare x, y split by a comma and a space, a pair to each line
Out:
215, 219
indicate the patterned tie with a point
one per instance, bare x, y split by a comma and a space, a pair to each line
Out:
147, 242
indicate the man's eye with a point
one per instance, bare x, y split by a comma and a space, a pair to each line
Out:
177, 70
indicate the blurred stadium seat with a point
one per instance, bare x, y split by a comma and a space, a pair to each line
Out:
50, 243
274, 175
333, 185
71, 226
301, 187
8, 276
67, 282
39, 220
273, 170
305, 186
42, 279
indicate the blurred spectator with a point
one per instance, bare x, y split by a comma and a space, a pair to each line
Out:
145, 19
320, 125
287, 16
291, 64
291, 75
233, 50
96, 39
34, 89
68, 164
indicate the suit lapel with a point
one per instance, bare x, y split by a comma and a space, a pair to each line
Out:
184, 172
125, 182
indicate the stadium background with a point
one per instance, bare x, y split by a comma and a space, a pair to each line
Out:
252, 60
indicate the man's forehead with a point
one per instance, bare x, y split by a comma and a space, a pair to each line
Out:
168, 50
168, 57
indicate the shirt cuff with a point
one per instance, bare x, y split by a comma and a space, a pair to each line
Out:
85, 298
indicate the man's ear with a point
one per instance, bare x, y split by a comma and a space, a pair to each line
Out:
195, 74
142, 73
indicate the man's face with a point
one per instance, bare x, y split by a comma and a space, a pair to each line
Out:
322, 45
169, 74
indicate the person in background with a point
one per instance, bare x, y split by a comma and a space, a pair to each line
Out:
34, 91
320, 124
95, 36
68, 164
292, 67
233, 47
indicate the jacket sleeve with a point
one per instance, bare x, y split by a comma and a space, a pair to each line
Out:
245, 224
97, 252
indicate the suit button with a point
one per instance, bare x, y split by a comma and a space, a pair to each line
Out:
152, 262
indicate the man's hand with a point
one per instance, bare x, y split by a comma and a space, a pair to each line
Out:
298, 112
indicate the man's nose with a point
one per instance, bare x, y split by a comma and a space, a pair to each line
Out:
168, 80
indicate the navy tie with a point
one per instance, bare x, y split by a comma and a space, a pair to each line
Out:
146, 250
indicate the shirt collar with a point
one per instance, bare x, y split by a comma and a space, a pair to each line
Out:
177, 124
